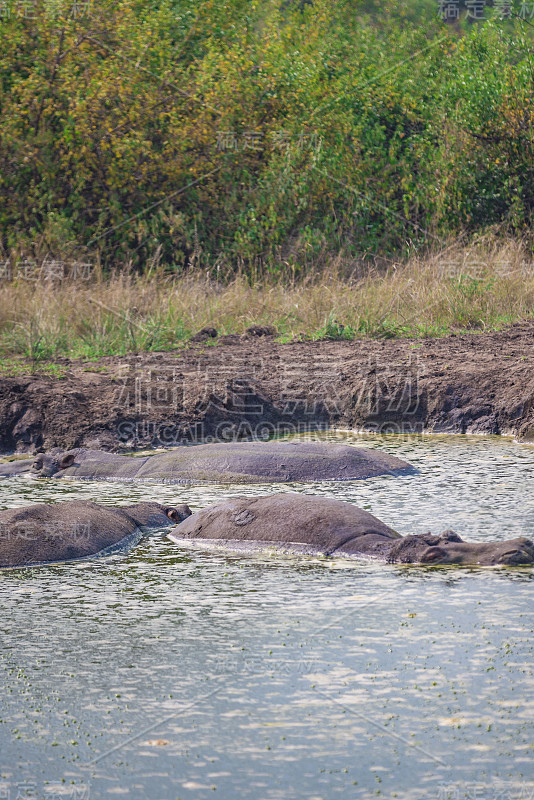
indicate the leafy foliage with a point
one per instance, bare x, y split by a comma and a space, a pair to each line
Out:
230, 134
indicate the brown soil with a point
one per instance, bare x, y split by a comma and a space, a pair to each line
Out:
251, 386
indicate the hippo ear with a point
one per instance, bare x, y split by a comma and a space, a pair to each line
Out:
450, 536
178, 514
67, 460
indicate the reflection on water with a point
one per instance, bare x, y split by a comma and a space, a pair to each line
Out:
172, 673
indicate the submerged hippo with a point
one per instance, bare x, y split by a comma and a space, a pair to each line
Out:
18, 467
47, 533
237, 462
317, 525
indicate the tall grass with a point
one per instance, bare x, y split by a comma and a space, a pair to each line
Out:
457, 289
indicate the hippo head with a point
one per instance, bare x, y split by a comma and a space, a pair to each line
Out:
45, 465
449, 548
155, 515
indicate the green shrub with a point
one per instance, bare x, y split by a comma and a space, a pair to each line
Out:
259, 135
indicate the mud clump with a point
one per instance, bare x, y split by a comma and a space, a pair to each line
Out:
204, 335
261, 330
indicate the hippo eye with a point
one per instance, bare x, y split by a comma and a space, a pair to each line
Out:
38, 463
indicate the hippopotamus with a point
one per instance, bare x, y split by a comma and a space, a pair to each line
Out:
51, 532
18, 467
236, 462
321, 526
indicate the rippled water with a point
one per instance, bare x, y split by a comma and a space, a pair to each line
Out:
174, 673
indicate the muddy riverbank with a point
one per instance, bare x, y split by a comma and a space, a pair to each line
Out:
242, 386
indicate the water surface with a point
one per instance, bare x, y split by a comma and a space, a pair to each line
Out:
186, 673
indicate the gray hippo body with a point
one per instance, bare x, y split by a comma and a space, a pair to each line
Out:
20, 466
236, 462
304, 523
76, 529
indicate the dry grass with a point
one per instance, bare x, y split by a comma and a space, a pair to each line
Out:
482, 287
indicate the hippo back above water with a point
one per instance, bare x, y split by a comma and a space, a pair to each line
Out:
52, 532
319, 525
304, 523
236, 462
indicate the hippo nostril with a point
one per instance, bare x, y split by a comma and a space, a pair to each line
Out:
516, 557
432, 555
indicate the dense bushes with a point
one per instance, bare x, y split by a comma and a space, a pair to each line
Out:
244, 133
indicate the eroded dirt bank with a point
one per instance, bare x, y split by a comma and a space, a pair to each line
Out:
252, 386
